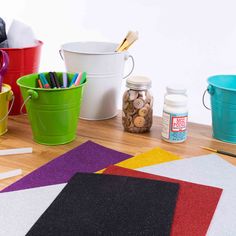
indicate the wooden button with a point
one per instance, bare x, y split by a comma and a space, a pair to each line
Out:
139, 121
131, 110
141, 94
138, 103
133, 95
143, 112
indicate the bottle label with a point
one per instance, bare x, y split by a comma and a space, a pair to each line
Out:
174, 127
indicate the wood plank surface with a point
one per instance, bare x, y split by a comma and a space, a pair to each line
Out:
108, 133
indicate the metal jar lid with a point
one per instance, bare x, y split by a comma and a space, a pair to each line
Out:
138, 83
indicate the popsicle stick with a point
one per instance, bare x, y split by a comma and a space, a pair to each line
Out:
15, 151
11, 173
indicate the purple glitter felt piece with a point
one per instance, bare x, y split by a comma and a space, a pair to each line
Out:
88, 157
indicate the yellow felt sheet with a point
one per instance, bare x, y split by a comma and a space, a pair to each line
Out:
152, 157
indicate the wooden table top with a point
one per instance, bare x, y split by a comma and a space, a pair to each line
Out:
108, 133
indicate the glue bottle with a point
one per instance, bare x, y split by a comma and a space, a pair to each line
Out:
176, 89
174, 119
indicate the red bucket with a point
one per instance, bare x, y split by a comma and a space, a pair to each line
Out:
22, 61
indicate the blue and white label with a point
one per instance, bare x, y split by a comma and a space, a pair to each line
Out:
174, 127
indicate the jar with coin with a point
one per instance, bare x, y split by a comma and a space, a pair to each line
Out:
137, 107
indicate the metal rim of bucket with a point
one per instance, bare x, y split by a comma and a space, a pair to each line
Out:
210, 88
38, 44
213, 84
32, 94
127, 57
47, 90
92, 53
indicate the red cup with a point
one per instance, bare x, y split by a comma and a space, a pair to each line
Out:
22, 61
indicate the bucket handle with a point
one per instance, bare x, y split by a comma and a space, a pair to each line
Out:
210, 90
12, 99
32, 95
133, 64
61, 55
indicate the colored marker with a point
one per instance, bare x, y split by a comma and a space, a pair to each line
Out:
40, 84
53, 84
73, 79
41, 80
56, 80
64, 76
78, 79
44, 81
83, 78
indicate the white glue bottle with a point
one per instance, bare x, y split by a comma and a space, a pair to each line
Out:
174, 119
176, 89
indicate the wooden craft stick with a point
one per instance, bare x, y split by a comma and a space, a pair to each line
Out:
15, 151
10, 174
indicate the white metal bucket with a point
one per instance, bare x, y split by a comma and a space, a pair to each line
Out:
104, 69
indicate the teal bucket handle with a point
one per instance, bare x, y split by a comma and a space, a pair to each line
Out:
210, 90
32, 94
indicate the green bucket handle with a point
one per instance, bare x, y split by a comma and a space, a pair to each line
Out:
32, 94
210, 90
11, 98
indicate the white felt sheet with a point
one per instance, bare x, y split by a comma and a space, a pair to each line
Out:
19, 210
209, 170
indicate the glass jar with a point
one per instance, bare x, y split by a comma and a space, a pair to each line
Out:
137, 107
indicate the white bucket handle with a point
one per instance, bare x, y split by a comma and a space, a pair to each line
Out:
132, 69
12, 103
60, 52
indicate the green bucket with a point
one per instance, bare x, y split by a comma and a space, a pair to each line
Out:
53, 113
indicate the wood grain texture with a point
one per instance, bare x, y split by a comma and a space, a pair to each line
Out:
108, 133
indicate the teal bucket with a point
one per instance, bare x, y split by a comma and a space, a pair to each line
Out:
222, 89
53, 113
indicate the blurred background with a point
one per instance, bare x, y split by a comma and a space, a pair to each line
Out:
182, 41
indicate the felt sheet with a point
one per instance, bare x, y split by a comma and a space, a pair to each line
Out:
19, 210
94, 204
88, 157
193, 201
154, 156
210, 170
